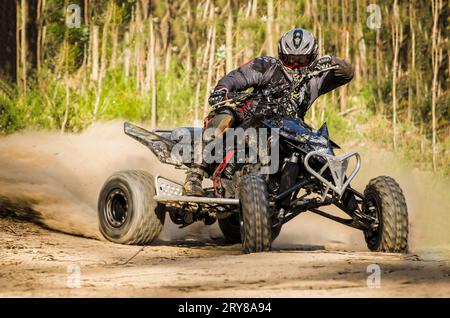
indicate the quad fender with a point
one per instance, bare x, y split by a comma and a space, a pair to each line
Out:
162, 142
158, 141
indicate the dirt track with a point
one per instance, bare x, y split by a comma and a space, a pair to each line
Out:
37, 262
54, 181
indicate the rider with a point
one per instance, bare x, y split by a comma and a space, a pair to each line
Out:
297, 49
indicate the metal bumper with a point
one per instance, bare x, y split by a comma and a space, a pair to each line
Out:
338, 167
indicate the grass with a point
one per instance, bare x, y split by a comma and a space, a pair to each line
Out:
44, 108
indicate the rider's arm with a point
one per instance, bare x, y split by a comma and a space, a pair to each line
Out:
335, 78
331, 79
248, 75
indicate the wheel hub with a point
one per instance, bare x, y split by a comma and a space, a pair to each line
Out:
116, 208
372, 210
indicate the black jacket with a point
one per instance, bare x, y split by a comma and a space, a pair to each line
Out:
266, 71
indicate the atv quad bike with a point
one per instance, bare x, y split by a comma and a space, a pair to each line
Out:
251, 207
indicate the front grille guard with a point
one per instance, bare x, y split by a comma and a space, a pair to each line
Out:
337, 166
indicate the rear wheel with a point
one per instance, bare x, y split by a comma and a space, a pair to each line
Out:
386, 204
255, 218
231, 229
126, 209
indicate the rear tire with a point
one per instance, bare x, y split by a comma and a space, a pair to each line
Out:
386, 202
126, 209
231, 229
255, 218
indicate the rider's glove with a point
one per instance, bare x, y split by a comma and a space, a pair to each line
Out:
218, 95
322, 62
345, 70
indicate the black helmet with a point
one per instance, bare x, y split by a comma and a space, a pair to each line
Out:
297, 48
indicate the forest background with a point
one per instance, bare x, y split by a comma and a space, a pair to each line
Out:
67, 64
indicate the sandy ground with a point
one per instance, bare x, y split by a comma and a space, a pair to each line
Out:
37, 262
50, 245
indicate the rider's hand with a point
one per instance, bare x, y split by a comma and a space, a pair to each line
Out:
345, 70
322, 62
218, 95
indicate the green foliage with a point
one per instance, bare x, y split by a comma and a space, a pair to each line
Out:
9, 120
175, 98
68, 52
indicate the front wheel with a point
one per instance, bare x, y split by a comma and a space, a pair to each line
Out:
255, 217
386, 204
127, 211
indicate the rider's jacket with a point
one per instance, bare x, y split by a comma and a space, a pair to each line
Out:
268, 72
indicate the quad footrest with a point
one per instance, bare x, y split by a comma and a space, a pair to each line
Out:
170, 192
206, 200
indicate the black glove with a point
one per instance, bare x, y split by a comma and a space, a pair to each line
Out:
218, 95
321, 63
345, 70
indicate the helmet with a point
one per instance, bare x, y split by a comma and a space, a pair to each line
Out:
297, 48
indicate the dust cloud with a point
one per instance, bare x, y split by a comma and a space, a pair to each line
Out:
427, 197
55, 180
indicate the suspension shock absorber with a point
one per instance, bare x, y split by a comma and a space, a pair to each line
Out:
288, 177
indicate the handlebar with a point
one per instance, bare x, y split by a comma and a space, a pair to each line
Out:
236, 97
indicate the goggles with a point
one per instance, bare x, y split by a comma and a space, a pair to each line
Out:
292, 61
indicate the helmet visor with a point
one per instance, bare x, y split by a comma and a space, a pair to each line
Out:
298, 60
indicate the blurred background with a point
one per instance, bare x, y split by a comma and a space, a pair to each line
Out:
67, 64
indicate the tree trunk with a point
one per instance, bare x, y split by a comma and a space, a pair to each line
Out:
343, 90
8, 49
95, 58
168, 59
205, 10
197, 122
67, 103
254, 9
210, 70
39, 25
362, 52
103, 58
153, 73
188, 40
435, 37
138, 39
115, 31
166, 30
378, 66
270, 49
395, 46
105, 42
127, 56
412, 65
86, 12
229, 40
23, 45
330, 12
208, 44
66, 75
